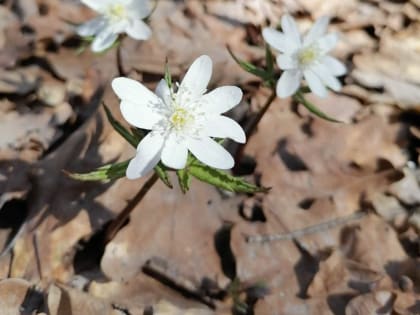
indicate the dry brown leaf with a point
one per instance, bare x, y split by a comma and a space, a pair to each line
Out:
360, 243
394, 67
165, 218
63, 300
138, 293
12, 295
371, 303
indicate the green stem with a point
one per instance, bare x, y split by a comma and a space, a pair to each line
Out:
249, 129
118, 222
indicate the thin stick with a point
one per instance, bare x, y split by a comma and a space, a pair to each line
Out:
118, 222
305, 231
37, 256
249, 129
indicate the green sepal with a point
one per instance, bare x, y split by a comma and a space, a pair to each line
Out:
184, 179
134, 138
249, 67
222, 179
161, 171
300, 98
104, 173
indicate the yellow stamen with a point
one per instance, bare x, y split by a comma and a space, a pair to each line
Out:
308, 55
117, 11
180, 118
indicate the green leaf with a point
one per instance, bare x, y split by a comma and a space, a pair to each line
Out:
249, 67
161, 171
103, 173
300, 98
134, 139
221, 179
120, 128
168, 77
184, 179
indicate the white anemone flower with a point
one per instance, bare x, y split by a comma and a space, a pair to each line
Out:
180, 121
305, 58
115, 17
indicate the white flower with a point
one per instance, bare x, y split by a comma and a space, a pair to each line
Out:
116, 17
180, 121
307, 58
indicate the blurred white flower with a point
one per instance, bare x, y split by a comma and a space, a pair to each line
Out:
116, 17
305, 58
180, 121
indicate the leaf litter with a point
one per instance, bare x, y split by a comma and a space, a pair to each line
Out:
342, 212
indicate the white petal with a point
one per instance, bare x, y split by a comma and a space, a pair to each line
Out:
91, 27
315, 83
327, 42
211, 153
148, 155
290, 29
104, 40
327, 77
289, 83
132, 90
286, 62
276, 39
163, 91
317, 30
336, 67
222, 99
224, 127
139, 30
197, 78
174, 152
96, 5
139, 9
139, 115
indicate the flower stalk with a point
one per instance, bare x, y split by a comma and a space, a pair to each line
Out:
119, 221
250, 128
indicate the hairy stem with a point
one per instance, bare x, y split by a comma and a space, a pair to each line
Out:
118, 222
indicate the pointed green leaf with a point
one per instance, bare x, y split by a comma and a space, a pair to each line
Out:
120, 128
222, 179
249, 67
184, 179
103, 173
300, 98
168, 77
161, 171
269, 59
134, 139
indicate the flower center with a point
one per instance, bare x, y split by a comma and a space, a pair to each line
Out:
308, 55
116, 12
180, 118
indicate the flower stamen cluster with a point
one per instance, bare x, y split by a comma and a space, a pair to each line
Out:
116, 12
308, 55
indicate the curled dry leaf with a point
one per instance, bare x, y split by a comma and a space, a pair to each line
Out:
371, 303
